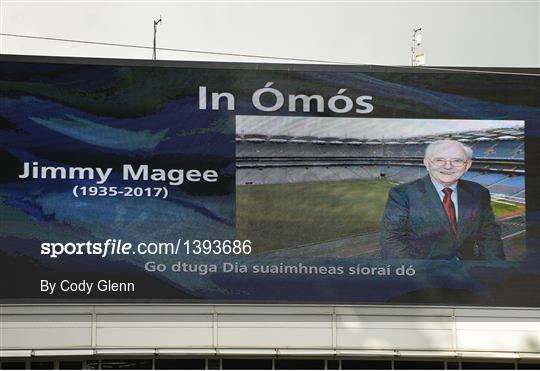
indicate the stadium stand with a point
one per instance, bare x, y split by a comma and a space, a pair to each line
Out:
497, 164
510, 186
512, 225
520, 194
519, 152
303, 150
505, 149
484, 150
405, 174
488, 179
470, 175
276, 175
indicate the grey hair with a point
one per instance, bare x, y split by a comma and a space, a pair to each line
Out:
434, 146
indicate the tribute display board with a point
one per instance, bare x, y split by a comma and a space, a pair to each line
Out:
138, 181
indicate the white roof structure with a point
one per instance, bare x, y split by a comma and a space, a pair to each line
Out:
373, 130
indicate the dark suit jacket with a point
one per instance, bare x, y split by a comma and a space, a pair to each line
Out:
414, 224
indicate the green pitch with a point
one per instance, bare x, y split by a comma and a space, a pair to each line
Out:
505, 209
275, 216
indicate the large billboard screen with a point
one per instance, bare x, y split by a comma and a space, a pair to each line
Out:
138, 181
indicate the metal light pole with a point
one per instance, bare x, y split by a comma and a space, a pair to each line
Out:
156, 23
417, 59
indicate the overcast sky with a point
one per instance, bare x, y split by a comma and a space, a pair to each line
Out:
455, 33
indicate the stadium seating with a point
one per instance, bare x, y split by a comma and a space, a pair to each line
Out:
279, 150
519, 152
404, 174
299, 174
511, 186
484, 150
488, 179
470, 175
504, 149
343, 159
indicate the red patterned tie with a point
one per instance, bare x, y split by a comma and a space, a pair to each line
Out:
449, 208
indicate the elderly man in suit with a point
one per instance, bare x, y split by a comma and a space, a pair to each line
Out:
441, 216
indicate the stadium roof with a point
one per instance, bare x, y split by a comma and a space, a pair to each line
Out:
373, 130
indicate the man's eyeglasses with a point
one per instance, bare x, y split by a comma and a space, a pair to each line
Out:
454, 162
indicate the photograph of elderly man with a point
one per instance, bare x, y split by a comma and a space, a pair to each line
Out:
441, 216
